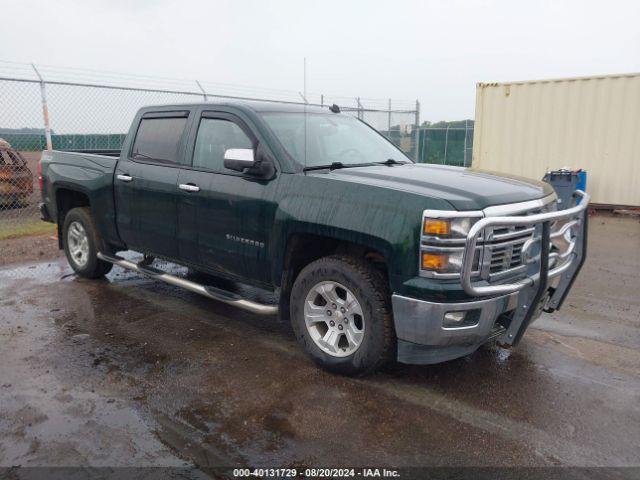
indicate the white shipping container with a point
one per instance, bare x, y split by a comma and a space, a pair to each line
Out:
593, 123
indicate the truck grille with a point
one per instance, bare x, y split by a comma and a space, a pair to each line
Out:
503, 248
504, 258
503, 251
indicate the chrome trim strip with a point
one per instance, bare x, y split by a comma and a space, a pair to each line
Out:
518, 233
451, 214
438, 248
506, 243
248, 305
497, 210
435, 240
444, 276
513, 208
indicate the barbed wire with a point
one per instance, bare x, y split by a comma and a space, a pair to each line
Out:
105, 78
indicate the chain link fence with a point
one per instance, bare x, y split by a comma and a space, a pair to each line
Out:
446, 145
45, 107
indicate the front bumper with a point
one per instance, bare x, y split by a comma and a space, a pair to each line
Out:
495, 311
423, 337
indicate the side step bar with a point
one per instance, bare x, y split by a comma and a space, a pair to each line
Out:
210, 292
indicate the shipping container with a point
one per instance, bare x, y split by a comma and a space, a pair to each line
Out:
593, 123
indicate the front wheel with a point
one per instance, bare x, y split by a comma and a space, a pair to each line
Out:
341, 315
81, 241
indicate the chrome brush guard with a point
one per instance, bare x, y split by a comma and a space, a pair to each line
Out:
542, 264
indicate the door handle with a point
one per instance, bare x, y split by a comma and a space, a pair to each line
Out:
189, 187
124, 177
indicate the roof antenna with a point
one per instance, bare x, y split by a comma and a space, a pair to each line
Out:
334, 108
304, 79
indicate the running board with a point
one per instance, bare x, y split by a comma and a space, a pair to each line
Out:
210, 292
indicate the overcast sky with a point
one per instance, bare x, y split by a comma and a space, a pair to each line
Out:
434, 51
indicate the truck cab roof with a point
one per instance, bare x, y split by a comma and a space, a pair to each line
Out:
248, 106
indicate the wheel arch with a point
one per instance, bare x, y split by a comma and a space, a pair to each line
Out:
66, 199
301, 248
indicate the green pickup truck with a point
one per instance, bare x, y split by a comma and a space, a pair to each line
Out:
371, 256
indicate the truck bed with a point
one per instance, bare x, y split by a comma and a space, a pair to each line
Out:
104, 162
89, 174
105, 152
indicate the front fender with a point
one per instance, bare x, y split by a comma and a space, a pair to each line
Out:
382, 219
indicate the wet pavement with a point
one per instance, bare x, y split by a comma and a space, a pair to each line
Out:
131, 372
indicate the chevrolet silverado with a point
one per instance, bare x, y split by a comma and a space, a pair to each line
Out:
371, 256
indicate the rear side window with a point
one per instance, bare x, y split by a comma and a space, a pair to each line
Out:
158, 140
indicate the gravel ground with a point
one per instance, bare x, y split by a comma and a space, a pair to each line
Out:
127, 371
31, 248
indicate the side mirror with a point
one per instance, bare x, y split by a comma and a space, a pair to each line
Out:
239, 159
256, 163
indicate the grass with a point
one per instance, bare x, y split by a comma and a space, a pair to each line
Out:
32, 228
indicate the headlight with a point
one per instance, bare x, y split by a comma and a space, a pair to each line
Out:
447, 228
442, 242
441, 262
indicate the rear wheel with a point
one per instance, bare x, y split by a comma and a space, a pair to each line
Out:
81, 241
341, 315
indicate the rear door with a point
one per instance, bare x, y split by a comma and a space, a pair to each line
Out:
146, 183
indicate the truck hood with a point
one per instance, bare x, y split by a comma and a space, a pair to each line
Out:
463, 188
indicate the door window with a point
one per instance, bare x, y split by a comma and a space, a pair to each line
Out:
158, 140
216, 135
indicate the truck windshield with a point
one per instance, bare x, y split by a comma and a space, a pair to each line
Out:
330, 139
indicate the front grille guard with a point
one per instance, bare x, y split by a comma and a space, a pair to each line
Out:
576, 216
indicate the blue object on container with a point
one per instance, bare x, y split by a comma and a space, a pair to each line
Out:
582, 180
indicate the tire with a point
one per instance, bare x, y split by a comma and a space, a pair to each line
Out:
77, 222
343, 279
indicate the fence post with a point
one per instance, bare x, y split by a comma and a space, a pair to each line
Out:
389, 120
424, 145
464, 152
321, 100
417, 131
446, 143
45, 109
204, 94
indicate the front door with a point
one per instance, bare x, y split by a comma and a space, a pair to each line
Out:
211, 196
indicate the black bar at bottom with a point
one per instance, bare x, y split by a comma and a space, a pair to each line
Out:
542, 283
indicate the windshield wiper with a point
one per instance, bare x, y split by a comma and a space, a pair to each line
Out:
391, 161
330, 166
336, 165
